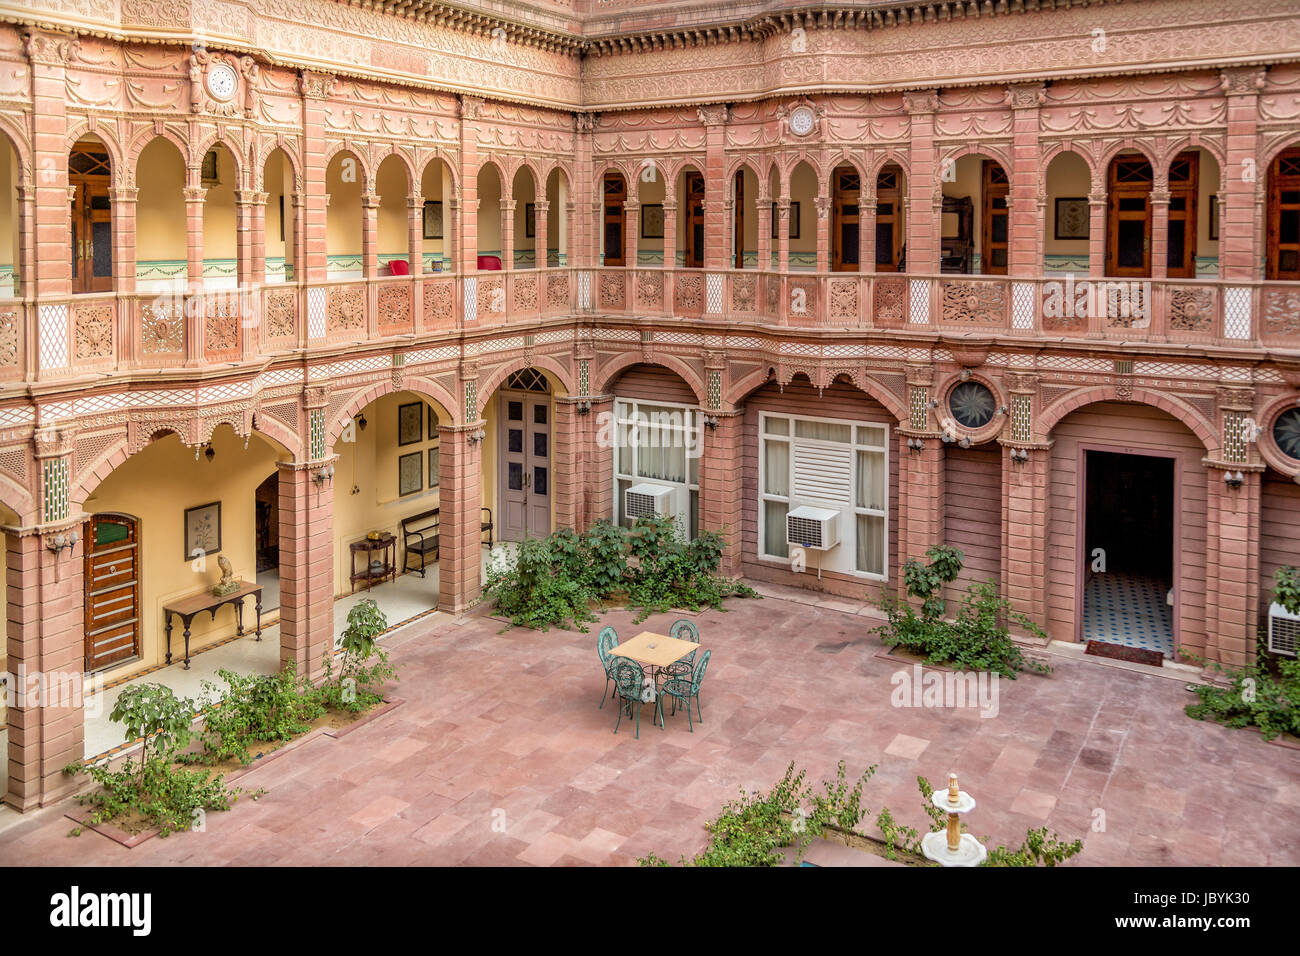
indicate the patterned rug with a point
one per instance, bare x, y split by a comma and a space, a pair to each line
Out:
1130, 610
1119, 652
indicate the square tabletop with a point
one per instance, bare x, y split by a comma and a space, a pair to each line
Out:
656, 650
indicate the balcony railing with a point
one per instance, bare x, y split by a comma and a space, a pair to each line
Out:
75, 335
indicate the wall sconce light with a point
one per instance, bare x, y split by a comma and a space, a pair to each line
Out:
965, 441
323, 474
711, 422
934, 403
965, 375
1233, 479
211, 452
916, 445
1019, 455
583, 407
1002, 409
57, 542
361, 421
475, 437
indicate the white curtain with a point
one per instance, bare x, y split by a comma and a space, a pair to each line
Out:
871, 480
776, 468
871, 544
774, 528
823, 431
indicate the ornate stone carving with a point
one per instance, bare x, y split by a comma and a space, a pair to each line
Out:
1191, 310
1281, 312
844, 301
50, 49
92, 332
439, 299
8, 339
221, 324
281, 313
715, 114
612, 289
316, 86
744, 293
974, 303
890, 305
346, 309
525, 294
162, 328
557, 291
650, 290
690, 293
394, 304
1241, 80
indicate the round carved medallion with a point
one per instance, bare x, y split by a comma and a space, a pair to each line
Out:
222, 82
802, 120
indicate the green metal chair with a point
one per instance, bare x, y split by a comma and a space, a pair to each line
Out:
688, 690
630, 684
606, 641
682, 630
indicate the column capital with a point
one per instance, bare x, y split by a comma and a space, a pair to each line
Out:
194, 194
315, 86
1241, 80
1022, 96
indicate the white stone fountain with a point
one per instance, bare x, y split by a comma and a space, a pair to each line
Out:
953, 848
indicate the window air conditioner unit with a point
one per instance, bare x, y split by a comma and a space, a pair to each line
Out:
646, 499
813, 528
1283, 631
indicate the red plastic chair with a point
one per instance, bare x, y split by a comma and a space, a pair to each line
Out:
399, 267
489, 263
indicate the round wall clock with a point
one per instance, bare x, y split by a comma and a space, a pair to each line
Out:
802, 120
222, 82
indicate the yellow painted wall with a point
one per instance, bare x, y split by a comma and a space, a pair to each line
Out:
803, 190
649, 193
523, 191
156, 486
435, 187
343, 182
489, 212
968, 181
1067, 176
750, 211
277, 188
365, 480
393, 231
160, 207
9, 241
557, 222
1206, 186
219, 224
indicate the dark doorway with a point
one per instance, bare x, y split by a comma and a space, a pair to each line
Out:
1129, 531
267, 510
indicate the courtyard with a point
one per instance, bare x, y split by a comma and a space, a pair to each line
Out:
499, 754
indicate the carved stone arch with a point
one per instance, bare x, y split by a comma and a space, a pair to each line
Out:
980, 149
848, 157
1283, 140
383, 154
264, 154
1268, 449
17, 138
500, 166
357, 151
547, 363
19, 500
1211, 144
453, 172
123, 168
1113, 149
1062, 148
234, 146
1179, 409
418, 384
886, 157
604, 167
611, 370
147, 136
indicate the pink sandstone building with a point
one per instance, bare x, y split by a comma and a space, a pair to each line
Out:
1021, 277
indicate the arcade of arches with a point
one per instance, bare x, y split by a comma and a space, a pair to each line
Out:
256, 310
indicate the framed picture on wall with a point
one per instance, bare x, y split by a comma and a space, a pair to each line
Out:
794, 221
1072, 218
202, 530
530, 220
410, 473
433, 425
1214, 216
432, 219
210, 170
433, 467
652, 220
410, 423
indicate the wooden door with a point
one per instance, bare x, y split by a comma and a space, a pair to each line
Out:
1128, 226
694, 221
845, 220
889, 220
525, 472
1283, 233
1180, 259
112, 590
615, 216
740, 219
995, 225
91, 221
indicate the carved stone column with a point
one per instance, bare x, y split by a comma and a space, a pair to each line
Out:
415, 233
541, 225
1242, 206
922, 178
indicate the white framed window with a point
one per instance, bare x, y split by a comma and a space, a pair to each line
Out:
658, 442
832, 463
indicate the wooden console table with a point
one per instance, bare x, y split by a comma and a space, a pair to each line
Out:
386, 544
187, 609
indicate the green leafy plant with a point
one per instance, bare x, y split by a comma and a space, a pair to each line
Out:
161, 794
1039, 849
256, 707
360, 681
1265, 694
1286, 588
554, 582
976, 639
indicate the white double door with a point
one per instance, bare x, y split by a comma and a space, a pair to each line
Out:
525, 466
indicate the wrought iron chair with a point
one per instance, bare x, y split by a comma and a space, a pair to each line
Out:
682, 630
630, 682
606, 641
688, 690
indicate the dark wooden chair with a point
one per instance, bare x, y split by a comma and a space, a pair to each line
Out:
419, 537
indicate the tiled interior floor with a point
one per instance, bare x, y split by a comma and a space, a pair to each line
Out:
1129, 609
501, 755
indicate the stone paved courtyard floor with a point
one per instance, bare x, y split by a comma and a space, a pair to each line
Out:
500, 756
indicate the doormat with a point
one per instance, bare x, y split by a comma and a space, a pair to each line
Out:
1120, 652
